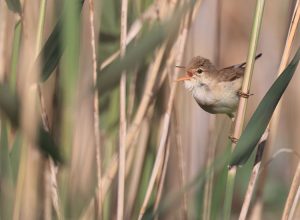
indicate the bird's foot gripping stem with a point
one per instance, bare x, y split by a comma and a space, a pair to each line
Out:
233, 139
244, 95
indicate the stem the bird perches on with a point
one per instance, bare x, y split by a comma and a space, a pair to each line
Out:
271, 130
240, 116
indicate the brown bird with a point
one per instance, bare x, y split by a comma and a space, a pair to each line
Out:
216, 91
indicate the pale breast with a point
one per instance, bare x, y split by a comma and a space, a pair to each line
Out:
219, 98
204, 95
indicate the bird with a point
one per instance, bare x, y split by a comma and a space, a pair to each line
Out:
216, 91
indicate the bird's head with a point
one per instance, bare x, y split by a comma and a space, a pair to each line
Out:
198, 72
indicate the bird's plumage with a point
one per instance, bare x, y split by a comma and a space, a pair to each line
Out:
215, 90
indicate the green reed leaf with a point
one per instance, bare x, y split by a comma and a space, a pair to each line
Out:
10, 107
110, 76
262, 115
53, 49
14, 5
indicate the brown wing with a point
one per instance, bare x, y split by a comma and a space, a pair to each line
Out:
233, 72
230, 74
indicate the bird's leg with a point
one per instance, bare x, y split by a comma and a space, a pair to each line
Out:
244, 95
233, 139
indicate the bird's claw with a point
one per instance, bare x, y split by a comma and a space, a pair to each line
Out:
233, 139
244, 95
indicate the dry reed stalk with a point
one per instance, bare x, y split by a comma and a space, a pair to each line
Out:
3, 21
142, 148
292, 195
98, 205
241, 111
253, 177
122, 131
273, 125
27, 200
181, 165
153, 67
196, 9
139, 116
50, 174
136, 27
133, 131
138, 164
295, 204
166, 124
54, 195
210, 155
212, 144
162, 176
50, 179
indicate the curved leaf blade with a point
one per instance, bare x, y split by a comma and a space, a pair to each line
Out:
10, 106
14, 5
53, 49
111, 75
262, 115
51, 52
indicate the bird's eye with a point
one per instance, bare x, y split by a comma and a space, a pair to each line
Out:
199, 71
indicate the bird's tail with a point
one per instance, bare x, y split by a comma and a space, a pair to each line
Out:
256, 57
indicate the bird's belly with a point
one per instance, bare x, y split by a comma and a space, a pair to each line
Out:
217, 100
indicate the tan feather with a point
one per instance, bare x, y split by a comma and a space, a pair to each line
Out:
230, 74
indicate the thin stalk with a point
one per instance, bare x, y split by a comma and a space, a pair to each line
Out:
134, 30
3, 35
240, 116
134, 127
273, 125
29, 176
210, 151
181, 166
47, 184
139, 117
49, 173
41, 23
98, 209
166, 123
69, 81
292, 194
138, 165
210, 158
253, 177
15, 55
133, 130
20, 182
162, 177
24, 150
122, 131
295, 204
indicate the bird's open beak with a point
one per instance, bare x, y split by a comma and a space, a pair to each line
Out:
182, 78
188, 75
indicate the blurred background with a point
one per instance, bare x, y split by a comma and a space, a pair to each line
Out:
169, 137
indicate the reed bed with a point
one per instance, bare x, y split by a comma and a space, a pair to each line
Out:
93, 125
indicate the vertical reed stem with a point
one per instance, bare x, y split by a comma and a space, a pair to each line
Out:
98, 205
292, 194
273, 125
240, 116
122, 132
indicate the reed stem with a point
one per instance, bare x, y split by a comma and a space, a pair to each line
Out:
240, 116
